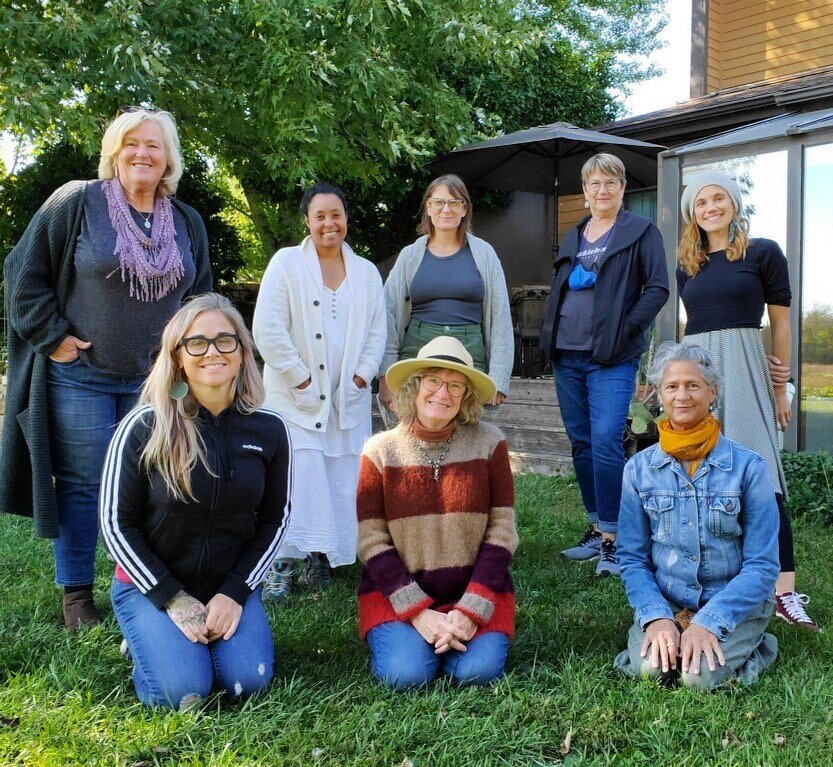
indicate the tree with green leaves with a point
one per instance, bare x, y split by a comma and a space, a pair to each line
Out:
362, 92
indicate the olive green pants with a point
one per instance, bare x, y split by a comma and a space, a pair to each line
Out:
420, 333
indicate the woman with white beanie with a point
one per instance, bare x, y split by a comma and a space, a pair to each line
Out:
725, 279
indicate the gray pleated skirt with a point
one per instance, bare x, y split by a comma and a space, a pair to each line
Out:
746, 399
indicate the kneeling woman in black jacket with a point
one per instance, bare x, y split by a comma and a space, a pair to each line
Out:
194, 503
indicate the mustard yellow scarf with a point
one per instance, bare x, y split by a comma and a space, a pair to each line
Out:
691, 445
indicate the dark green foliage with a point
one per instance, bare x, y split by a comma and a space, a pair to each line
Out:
197, 189
810, 485
363, 92
23, 194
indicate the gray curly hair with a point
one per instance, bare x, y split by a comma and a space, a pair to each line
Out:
669, 352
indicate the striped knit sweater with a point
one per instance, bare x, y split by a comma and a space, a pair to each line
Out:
445, 544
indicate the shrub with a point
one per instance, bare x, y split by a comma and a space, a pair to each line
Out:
810, 484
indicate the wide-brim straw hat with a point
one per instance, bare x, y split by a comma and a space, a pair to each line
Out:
447, 353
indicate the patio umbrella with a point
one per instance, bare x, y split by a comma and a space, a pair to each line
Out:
547, 160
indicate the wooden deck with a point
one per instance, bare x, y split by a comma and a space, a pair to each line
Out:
531, 421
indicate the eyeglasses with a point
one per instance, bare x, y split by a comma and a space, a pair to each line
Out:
436, 204
197, 346
611, 185
433, 384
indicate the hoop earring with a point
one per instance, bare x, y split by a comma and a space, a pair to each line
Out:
179, 389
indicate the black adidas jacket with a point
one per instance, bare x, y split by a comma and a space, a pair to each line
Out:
222, 542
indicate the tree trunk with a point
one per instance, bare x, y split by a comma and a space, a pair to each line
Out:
261, 221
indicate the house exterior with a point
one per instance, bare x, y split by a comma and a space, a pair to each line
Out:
761, 108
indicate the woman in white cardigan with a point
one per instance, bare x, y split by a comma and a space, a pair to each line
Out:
449, 282
320, 326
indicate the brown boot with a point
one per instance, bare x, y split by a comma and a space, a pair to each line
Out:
79, 610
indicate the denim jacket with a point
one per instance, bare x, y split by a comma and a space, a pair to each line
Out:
709, 543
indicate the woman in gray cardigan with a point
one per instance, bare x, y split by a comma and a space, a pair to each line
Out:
451, 283
100, 269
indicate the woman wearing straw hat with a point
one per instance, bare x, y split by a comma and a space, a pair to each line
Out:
725, 279
437, 527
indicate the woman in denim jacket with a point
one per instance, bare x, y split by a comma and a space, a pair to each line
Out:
698, 540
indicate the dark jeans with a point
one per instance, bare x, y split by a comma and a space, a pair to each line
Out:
594, 401
85, 405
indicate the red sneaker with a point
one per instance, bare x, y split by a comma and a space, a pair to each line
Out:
789, 606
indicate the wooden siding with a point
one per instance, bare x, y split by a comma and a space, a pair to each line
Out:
570, 211
754, 40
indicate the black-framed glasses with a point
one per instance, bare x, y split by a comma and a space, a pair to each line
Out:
436, 204
433, 384
197, 346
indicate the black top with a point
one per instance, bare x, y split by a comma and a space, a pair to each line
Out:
731, 294
222, 540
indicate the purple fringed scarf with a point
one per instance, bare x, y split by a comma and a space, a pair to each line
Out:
153, 264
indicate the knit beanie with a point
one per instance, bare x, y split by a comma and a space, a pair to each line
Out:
704, 179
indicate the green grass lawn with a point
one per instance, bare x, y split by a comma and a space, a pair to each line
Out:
68, 700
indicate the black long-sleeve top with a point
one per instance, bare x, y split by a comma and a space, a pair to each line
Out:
732, 294
223, 540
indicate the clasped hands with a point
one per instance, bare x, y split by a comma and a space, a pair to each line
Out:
446, 631
204, 623
664, 643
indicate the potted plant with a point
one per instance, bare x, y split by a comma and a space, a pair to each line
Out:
643, 412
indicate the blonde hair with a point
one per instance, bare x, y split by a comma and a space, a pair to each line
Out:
458, 189
606, 163
404, 401
175, 444
113, 142
692, 249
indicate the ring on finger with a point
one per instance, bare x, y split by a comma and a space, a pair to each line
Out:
670, 644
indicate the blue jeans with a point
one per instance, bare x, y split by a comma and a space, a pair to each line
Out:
170, 670
401, 658
594, 401
85, 405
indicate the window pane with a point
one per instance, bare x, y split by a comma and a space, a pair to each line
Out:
816, 431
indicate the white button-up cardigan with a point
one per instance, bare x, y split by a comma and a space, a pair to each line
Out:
289, 333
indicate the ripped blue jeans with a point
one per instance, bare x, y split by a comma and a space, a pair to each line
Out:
171, 671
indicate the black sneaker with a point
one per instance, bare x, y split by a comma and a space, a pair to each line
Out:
316, 572
608, 563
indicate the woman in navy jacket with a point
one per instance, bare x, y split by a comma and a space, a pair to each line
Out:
609, 282
194, 504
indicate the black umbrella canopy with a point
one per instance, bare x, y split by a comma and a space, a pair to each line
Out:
534, 160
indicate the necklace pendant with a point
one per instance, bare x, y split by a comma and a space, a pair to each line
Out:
436, 474
147, 223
